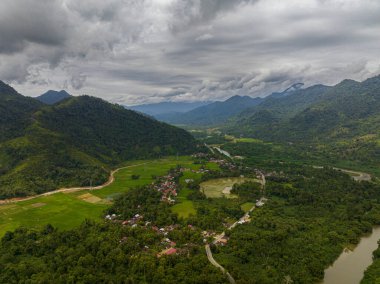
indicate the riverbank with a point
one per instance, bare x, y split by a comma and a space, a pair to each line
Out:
350, 266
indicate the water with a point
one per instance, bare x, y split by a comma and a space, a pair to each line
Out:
350, 266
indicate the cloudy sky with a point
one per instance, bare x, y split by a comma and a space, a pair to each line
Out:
139, 51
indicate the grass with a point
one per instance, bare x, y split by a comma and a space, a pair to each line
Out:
63, 211
184, 208
68, 210
247, 206
145, 169
214, 188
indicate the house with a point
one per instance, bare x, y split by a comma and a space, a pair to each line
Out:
222, 241
170, 251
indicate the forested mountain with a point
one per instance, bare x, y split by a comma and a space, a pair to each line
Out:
214, 113
167, 108
349, 109
15, 112
52, 97
75, 142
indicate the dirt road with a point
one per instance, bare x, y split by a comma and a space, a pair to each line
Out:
70, 189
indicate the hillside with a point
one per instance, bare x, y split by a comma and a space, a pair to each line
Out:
15, 112
215, 113
339, 123
74, 143
319, 113
52, 97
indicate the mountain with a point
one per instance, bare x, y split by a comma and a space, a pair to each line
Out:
284, 106
214, 113
75, 142
289, 90
348, 110
15, 112
52, 97
165, 108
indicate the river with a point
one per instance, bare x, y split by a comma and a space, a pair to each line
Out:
350, 266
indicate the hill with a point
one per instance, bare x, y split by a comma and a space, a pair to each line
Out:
167, 108
339, 123
75, 142
347, 110
215, 113
52, 97
15, 112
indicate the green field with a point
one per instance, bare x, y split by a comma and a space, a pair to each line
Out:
214, 188
67, 210
61, 210
247, 206
184, 208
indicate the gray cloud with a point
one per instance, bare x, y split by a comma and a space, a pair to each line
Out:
22, 22
136, 51
78, 80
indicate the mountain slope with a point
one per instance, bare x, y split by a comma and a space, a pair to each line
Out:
214, 113
75, 142
15, 112
319, 113
52, 97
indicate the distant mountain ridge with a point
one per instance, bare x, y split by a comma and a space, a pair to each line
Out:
348, 110
75, 142
214, 113
164, 108
52, 97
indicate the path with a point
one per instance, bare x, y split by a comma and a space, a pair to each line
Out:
221, 236
213, 262
111, 179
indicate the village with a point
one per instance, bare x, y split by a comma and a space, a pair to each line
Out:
168, 186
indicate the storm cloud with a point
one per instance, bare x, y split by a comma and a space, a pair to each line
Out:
138, 51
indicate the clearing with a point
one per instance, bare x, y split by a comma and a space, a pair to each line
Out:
221, 187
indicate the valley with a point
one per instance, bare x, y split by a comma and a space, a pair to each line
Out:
210, 205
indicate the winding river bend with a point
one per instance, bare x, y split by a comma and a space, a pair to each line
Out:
350, 266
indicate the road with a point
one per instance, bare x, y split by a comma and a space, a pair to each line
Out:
213, 262
111, 179
358, 176
221, 236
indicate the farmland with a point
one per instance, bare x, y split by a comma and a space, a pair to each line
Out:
68, 210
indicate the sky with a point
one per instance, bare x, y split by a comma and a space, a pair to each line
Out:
145, 51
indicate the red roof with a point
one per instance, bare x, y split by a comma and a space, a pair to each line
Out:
170, 251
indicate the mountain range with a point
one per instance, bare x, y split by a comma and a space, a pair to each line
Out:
75, 142
167, 108
212, 114
347, 110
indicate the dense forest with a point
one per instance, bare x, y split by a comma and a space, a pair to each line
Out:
310, 217
75, 142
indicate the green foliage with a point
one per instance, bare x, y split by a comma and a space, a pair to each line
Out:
311, 215
74, 143
101, 253
343, 112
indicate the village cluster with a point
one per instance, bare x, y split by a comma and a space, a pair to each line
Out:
168, 186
